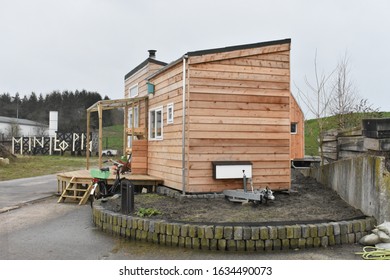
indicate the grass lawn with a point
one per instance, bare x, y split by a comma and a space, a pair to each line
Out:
113, 137
30, 166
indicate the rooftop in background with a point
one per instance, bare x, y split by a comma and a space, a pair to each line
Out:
21, 121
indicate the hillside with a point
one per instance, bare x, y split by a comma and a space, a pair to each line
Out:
312, 130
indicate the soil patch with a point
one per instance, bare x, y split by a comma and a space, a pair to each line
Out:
308, 201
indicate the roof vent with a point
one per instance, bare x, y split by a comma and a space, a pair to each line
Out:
152, 53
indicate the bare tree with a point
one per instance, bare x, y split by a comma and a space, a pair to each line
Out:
13, 130
317, 98
344, 94
346, 104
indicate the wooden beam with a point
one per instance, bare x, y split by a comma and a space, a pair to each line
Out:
125, 125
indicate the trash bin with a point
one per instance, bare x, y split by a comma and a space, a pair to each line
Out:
127, 191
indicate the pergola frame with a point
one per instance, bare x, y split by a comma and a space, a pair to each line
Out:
101, 106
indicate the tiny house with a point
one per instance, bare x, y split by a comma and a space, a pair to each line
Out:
200, 121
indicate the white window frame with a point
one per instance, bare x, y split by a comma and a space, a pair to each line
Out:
296, 128
129, 123
153, 126
132, 88
130, 116
170, 115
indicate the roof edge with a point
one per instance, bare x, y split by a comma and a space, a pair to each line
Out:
166, 67
143, 64
239, 47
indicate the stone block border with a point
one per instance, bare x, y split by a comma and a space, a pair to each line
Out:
232, 237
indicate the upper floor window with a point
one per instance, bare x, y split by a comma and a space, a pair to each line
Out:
133, 91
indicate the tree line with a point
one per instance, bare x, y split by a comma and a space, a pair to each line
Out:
71, 107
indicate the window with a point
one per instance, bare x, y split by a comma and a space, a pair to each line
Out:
133, 91
130, 117
156, 124
170, 113
130, 123
294, 128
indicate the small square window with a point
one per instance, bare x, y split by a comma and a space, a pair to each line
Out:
170, 113
294, 128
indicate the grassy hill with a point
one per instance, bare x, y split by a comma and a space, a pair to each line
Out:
312, 130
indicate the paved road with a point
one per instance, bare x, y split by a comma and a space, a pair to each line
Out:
41, 228
14, 193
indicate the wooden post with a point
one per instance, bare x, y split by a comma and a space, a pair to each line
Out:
88, 140
100, 112
146, 131
125, 127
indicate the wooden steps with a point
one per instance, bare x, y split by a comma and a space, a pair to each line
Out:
76, 190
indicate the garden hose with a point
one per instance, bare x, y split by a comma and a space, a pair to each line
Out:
374, 253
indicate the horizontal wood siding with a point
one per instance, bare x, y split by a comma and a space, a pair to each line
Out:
138, 78
139, 160
298, 139
239, 110
165, 156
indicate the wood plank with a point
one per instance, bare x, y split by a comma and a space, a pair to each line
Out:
238, 53
240, 98
241, 69
241, 143
171, 72
166, 149
233, 128
164, 90
239, 113
237, 157
273, 62
235, 120
263, 90
237, 135
239, 150
227, 104
239, 76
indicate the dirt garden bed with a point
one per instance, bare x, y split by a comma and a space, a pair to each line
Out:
308, 201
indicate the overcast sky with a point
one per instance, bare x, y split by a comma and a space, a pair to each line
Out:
51, 45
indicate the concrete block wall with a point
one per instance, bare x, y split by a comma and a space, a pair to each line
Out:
363, 182
231, 237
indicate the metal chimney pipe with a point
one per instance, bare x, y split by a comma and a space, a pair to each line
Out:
152, 53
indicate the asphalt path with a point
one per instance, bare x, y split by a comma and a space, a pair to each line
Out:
14, 193
33, 226
47, 230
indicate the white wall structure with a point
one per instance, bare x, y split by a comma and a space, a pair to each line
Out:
53, 123
26, 127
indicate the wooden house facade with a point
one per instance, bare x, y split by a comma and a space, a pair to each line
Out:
228, 106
